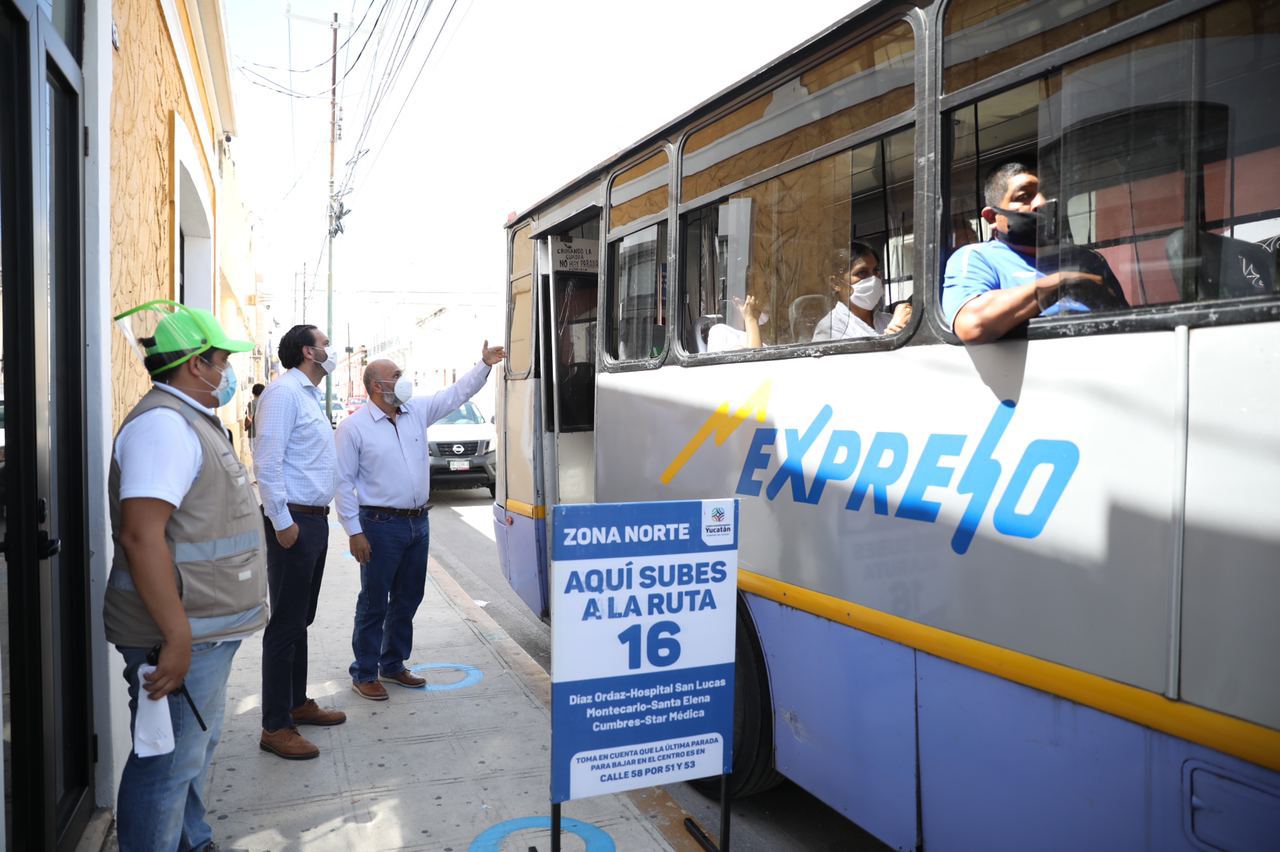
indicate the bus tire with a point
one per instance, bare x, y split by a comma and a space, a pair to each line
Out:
753, 768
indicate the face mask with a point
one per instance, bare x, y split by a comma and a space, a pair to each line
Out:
1031, 229
226, 387
400, 394
329, 364
866, 293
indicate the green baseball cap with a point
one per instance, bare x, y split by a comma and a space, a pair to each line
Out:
165, 333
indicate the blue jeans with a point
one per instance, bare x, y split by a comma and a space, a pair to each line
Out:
391, 587
161, 801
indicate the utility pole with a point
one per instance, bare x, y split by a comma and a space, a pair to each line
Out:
333, 206
350, 355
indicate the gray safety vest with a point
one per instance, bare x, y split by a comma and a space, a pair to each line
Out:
215, 538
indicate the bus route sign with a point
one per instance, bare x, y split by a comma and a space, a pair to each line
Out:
643, 615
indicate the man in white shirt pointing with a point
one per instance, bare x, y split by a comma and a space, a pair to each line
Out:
383, 485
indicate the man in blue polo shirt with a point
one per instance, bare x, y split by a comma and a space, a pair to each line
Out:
990, 288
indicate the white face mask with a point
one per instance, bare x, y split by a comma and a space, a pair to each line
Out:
866, 293
400, 394
329, 364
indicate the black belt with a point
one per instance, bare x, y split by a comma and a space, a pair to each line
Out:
403, 513
308, 510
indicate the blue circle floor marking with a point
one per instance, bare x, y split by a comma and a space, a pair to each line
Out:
472, 675
597, 839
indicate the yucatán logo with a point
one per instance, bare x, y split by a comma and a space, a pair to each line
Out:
717, 523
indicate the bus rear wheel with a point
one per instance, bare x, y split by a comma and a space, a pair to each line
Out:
753, 769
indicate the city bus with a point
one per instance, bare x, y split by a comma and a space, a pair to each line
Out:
1015, 595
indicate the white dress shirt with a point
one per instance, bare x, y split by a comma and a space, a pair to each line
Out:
293, 455
385, 463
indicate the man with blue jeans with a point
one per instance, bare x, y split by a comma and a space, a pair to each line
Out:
383, 486
188, 573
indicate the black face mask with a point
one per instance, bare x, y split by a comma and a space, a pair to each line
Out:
1031, 229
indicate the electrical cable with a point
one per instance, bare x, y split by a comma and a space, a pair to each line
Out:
281, 89
289, 69
386, 138
394, 66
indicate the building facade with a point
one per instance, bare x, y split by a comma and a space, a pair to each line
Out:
117, 185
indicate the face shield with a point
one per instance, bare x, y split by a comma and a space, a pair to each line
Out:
165, 334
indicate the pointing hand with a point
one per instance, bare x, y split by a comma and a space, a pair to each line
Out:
492, 354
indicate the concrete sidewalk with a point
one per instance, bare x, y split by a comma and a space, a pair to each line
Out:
430, 769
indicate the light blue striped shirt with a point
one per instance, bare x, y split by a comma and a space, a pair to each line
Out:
293, 455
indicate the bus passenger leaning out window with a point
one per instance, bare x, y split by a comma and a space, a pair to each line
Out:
857, 287
990, 288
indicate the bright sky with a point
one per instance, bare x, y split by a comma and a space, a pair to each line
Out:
516, 100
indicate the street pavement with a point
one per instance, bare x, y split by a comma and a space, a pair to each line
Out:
429, 769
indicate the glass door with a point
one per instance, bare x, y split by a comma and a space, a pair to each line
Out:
60, 464
10, 66
48, 740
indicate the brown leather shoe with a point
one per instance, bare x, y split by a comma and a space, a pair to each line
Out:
371, 690
288, 743
312, 713
405, 678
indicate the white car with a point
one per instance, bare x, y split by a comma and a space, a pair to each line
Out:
462, 445
339, 409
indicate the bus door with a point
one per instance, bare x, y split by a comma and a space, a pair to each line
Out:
519, 510
567, 356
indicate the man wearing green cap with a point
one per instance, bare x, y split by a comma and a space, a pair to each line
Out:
188, 577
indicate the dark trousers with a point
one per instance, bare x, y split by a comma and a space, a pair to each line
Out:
293, 580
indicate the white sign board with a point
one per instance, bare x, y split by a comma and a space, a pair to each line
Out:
573, 255
644, 608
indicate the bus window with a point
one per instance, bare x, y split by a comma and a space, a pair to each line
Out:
575, 338
1157, 163
858, 87
640, 191
520, 305
976, 33
636, 329
802, 256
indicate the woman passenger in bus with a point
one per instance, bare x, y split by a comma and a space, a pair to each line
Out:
858, 289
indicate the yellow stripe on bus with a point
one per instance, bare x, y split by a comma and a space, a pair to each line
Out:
527, 509
1236, 737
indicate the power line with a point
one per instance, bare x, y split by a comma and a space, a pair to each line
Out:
327, 59
395, 64
287, 90
386, 138
374, 94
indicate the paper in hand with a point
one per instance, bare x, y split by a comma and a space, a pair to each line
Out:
152, 727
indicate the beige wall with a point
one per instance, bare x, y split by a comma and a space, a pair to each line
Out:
147, 97
151, 119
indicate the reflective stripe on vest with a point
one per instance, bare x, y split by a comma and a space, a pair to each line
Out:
197, 551
218, 548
